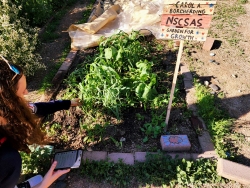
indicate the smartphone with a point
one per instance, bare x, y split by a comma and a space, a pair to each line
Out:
68, 159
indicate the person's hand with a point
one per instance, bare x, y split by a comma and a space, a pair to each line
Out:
52, 176
75, 102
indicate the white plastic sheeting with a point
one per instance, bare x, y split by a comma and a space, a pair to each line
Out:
134, 15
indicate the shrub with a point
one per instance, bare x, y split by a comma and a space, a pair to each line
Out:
17, 40
40, 11
37, 162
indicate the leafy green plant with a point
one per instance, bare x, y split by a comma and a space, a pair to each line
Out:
37, 162
155, 127
119, 76
52, 131
139, 117
93, 132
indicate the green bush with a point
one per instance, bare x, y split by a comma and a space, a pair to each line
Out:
37, 162
38, 12
17, 40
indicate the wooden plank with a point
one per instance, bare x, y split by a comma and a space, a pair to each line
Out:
202, 9
174, 83
183, 33
169, 2
181, 20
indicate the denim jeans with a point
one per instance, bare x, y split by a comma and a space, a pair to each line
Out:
10, 166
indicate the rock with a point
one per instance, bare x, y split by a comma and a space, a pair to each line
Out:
214, 87
122, 139
212, 54
206, 83
234, 75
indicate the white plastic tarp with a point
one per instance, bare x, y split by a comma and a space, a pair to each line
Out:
134, 16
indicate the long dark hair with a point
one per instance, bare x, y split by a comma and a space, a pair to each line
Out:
21, 127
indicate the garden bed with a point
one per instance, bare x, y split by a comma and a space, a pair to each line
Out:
139, 126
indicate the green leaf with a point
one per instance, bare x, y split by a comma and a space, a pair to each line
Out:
145, 139
139, 91
110, 52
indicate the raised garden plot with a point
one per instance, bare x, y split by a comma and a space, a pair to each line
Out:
125, 86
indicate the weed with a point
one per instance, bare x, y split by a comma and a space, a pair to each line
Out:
52, 131
217, 121
158, 169
93, 132
139, 117
170, 44
155, 127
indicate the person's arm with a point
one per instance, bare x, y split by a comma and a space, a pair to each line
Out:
45, 108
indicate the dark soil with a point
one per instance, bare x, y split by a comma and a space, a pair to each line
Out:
71, 136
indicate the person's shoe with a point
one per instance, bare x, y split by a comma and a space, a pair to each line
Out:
31, 182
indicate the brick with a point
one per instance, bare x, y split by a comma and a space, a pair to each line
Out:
186, 73
127, 158
234, 171
141, 156
188, 84
196, 156
175, 143
182, 155
208, 44
95, 155
206, 142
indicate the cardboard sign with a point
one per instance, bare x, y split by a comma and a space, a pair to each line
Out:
187, 3
186, 20
183, 33
180, 20
192, 9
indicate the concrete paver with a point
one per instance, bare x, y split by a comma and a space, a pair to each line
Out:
95, 155
175, 143
234, 171
127, 158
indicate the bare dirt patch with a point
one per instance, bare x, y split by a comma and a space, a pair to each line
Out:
230, 72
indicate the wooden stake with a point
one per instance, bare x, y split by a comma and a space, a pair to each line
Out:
174, 82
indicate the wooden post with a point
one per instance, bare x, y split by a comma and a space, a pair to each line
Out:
174, 82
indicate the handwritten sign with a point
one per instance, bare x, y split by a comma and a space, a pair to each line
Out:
180, 20
189, 8
186, 20
183, 33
